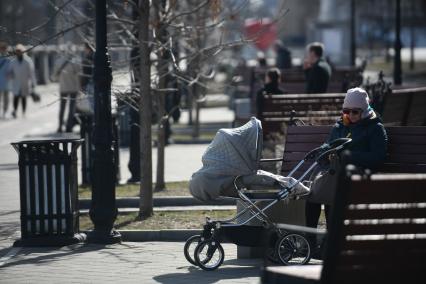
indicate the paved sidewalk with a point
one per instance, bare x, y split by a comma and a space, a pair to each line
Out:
151, 262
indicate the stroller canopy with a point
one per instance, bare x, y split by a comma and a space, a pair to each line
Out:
233, 152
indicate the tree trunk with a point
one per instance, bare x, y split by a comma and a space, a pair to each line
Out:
199, 18
161, 68
196, 125
145, 105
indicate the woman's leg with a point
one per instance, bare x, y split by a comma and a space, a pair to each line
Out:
313, 212
24, 104
15, 104
63, 101
71, 111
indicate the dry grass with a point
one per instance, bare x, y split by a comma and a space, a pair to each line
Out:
169, 220
190, 219
179, 188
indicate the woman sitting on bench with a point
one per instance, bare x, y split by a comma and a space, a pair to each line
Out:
368, 148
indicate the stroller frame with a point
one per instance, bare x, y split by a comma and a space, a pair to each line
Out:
289, 248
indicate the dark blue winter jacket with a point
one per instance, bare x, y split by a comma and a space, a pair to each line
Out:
369, 141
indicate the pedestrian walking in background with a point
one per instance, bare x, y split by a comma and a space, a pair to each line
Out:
68, 73
317, 70
4, 79
22, 73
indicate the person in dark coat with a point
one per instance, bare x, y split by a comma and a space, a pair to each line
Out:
317, 70
87, 69
369, 142
283, 60
271, 87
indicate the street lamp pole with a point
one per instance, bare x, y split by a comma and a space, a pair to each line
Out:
353, 35
103, 210
397, 71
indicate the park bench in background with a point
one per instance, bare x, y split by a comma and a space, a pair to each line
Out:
401, 107
318, 109
376, 234
293, 82
405, 107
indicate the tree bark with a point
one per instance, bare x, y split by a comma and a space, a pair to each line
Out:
145, 104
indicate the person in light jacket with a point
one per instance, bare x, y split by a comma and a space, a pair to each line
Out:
22, 73
68, 73
4, 78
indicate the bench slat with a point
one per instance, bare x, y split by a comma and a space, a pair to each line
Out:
294, 130
393, 274
382, 258
301, 147
383, 229
406, 149
356, 214
389, 191
409, 139
406, 168
384, 244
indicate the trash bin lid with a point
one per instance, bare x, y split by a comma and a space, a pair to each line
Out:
63, 138
70, 138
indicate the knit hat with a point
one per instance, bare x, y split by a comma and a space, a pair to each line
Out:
20, 47
356, 98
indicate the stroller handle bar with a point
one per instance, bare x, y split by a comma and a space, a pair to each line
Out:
319, 153
340, 143
335, 145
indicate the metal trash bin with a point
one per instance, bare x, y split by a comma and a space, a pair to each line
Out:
48, 192
86, 133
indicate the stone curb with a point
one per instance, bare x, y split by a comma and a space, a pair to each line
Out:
158, 235
133, 202
173, 208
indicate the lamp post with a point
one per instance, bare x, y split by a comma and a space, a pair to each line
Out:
353, 35
103, 210
397, 71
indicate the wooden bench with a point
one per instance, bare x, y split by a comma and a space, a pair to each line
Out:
405, 107
406, 148
376, 234
406, 154
318, 109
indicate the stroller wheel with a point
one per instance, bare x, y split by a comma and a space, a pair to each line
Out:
209, 254
189, 248
293, 249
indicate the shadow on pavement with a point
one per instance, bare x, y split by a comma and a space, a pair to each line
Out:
45, 255
8, 167
196, 275
241, 269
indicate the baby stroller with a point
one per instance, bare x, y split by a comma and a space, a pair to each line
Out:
231, 170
